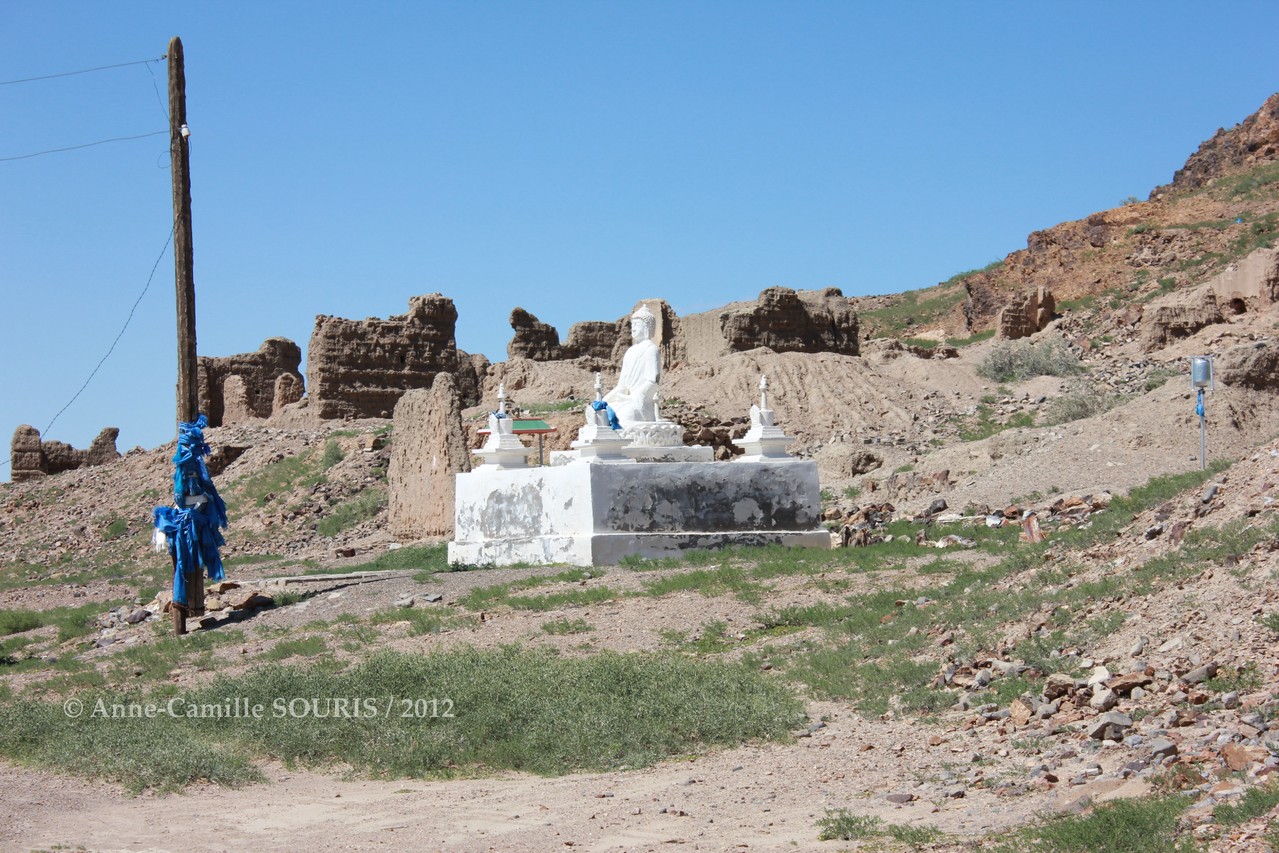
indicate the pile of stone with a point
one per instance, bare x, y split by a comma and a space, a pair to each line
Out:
1062, 514
862, 526
225, 598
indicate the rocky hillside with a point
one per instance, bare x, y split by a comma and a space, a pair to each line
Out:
1222, 205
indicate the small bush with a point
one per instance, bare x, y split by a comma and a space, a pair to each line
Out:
843, 825
1076, 404
333, 454
1014, 361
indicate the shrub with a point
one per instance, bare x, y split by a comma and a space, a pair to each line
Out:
333, 454
1080, 402
1014, 361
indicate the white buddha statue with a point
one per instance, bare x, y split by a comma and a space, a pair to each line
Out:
634, 400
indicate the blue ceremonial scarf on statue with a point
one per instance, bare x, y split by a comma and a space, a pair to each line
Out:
192, 527
601, 406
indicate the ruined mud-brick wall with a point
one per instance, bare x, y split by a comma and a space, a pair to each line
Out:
361, 368
1027, 313
234, 388
30, 457
603, 340
429, 450
781, 319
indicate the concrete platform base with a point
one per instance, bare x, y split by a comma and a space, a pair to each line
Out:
584, 514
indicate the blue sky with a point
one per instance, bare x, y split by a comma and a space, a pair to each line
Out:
568, 158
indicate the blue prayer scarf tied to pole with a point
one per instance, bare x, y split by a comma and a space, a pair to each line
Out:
192, 526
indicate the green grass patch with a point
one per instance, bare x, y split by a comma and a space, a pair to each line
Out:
985, 424
427, 559
708, 582
333, 454
347, 514
922, 343
72, 622
305, 647
974, 338
560, 627
993, 266
1256, 802
1121, 826
423, 620
914, 308
156, 660
478, 710
279, 478
1260, 181
1079, 402
1242, 679
843, 825
114, 529
556, 600
487, 596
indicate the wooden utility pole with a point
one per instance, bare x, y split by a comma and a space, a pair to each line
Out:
184, 278
183, 262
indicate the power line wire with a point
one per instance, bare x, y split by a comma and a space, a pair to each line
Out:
127, 320
82, 71
164, 110
86, 145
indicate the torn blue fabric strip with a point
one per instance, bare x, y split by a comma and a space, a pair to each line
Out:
193, 527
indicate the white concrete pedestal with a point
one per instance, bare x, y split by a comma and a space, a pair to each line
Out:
588, 515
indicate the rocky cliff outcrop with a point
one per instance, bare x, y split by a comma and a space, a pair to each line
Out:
236, 388
1179, 318
361, 368
1251, 284
1254, 140
1221, 203
31, 458
1253, 365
